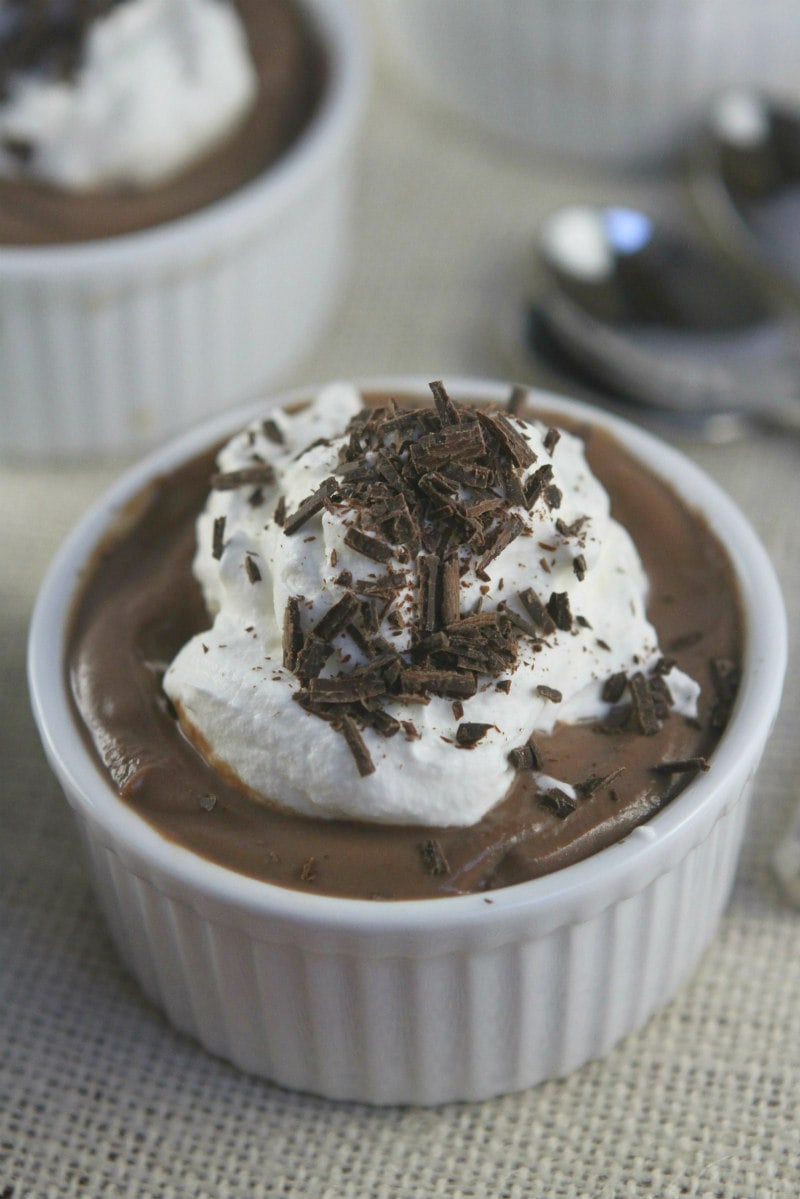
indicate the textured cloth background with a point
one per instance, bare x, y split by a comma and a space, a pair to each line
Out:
99, 1097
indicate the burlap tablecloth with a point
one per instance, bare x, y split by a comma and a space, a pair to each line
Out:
98, 1095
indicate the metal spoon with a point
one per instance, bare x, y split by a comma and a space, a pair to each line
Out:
744, 181
640, 311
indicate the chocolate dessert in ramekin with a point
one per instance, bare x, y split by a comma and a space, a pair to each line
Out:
174, 209
416, 958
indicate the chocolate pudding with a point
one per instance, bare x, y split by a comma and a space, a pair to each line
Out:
141, 603
290, 73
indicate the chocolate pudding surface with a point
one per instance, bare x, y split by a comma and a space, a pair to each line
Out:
291, 76
140, 604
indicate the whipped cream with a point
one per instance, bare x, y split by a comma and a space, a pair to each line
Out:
159, 83
237, 700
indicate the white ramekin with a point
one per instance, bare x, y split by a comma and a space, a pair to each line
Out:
430, 1000
109, 346
605, 80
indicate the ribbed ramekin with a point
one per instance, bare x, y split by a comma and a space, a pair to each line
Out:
108, 346
430, 1000
606, 80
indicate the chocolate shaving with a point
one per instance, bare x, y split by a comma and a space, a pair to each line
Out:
270, 429
470, 474
515, 492
389, 472
450, 683
433, 858
451, 591
218, 543
355, 744
533, 488
292, 633
523, 624
644, 709
310, 506
579, 566
448, 413
681, 766
427, 579
512, 440
337, 617
526, 757
312, 657
553, 496
459, 442
660, 695
251, 566
481, 507
550, 693
370, 547
405, 423
279, 515
248, 476
517, 400
614, 687
559, 609
368, 615
551, 440
385, 662
573, 530
383, 585
377, 719
558, 802
502, 537
345, 689
537, 611
469, 733
357, 635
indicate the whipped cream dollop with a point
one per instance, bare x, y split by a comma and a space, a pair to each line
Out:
515, 607
157, 83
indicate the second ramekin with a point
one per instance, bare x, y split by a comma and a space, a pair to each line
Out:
107, 347
431, 1000
604, 80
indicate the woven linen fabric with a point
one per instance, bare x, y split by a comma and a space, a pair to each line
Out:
99, 1097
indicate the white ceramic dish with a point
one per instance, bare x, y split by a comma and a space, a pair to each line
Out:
431, 1000
605, 80
106, 347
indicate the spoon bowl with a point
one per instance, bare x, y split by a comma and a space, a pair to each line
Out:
640, 310
744, 182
